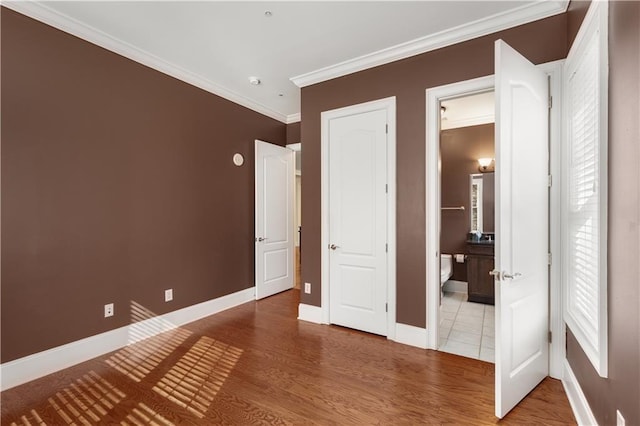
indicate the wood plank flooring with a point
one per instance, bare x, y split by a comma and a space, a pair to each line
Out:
257, 364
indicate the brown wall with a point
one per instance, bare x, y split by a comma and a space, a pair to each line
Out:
117, 183
293, 133
621, 390
459, 153
407, 80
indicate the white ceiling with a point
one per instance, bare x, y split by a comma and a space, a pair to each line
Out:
468, 111
218, 45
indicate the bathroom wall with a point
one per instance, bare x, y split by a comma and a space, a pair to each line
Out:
459, 152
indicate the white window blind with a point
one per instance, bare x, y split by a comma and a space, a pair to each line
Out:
584, 232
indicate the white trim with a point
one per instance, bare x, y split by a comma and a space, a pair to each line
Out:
389, 104
581, 410
433, 98
410, 335
22, 370
521, 15
310, 313
295, 146
293, 118
43, 13
556, 294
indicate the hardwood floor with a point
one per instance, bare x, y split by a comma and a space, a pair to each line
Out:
257, 364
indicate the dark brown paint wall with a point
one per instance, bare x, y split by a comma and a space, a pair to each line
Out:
293, 133
407, 80
459, 152
117, 183
621, 390
575, 15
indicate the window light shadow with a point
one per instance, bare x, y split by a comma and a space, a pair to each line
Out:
143, 415
87, 401
30, 419
138, 359
196, 378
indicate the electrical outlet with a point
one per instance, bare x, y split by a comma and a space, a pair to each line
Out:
168, 295
108, 310
307, 288
619, 419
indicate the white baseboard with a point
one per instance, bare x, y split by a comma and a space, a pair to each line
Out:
579, 405
410, 335
455, 286
310, 313
22, 370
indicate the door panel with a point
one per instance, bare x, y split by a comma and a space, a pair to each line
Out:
522, 317
357, 221
274, 237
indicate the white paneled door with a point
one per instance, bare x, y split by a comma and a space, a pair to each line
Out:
274, 229
358, 221
522, 276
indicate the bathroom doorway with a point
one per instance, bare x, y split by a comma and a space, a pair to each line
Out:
466, 245
297, 220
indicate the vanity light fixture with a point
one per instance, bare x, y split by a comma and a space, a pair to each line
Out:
486, 165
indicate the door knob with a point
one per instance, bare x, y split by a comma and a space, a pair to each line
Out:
260, 239
495, 273
333, 246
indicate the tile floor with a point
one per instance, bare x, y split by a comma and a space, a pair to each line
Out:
466, 328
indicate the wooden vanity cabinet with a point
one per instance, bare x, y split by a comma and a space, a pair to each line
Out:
480, 261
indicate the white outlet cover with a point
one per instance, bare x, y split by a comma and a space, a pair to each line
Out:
307, 288
168, 295
619, 419
108, 310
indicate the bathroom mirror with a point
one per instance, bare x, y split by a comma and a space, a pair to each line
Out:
482, 202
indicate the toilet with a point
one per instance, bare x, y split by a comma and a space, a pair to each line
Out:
446, 268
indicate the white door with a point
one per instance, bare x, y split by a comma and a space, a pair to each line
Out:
274, 237
522, 317
358, 221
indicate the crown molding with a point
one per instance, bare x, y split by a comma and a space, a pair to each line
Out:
502, 21
293, 118
45, 14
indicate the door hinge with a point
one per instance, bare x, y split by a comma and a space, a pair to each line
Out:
386, 188
550, 181
550, 102
550, 337
386, 128
550, 258
386, 247
386, 307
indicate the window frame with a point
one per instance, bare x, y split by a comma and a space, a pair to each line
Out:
592, 335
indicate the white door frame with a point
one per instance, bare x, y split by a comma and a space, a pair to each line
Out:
483, 84
389, 104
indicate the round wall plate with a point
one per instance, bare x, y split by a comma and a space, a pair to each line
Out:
238, 159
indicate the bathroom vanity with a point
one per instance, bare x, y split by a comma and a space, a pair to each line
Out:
480, 261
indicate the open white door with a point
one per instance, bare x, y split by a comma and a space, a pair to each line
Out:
522, 276
274, 239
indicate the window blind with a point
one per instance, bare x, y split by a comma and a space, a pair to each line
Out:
584, 230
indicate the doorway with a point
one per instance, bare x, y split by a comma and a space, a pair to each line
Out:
512, 147
297, 230
467, 233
